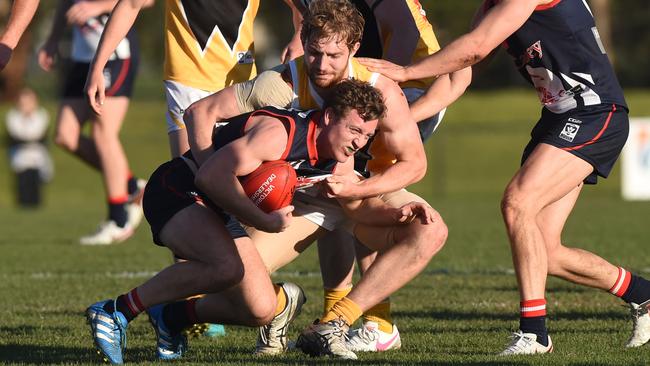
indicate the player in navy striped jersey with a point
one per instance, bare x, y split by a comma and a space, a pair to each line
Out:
583, 127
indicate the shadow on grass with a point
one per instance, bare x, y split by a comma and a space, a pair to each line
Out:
496, 315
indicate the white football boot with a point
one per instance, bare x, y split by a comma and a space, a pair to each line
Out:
368, 338
134, 205
526, 344
272, 338
108, 233
641, 324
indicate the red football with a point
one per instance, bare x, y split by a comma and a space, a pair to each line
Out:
271, 185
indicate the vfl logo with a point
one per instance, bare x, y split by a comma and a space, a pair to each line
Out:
535, 50
569, 132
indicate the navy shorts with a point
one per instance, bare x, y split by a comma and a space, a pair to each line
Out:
594, 134
171, 189
119, 77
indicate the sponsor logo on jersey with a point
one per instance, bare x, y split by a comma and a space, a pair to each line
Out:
571, 119
569, 131
535, 50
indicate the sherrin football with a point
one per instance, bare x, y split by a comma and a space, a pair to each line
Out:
271, 185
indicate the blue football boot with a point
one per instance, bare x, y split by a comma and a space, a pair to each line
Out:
169, 346
108, 331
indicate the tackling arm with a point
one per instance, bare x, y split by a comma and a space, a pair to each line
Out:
400, 135
445, 90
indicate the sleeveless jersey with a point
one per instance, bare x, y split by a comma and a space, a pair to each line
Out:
374, 41
374, 157
301, 150
209, 44
85, 40
559, 51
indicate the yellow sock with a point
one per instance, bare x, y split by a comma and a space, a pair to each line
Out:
380, 314
345, 309
282, 298
331, 296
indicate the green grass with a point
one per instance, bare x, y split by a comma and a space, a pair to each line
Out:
459, 311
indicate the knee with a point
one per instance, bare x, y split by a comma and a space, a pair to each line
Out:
66, 142
262, 309
428, 239
514, 206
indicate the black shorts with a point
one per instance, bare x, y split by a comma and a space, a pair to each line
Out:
594, 134
171, 189
119, 77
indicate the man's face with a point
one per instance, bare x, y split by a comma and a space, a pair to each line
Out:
343, 136
326, 60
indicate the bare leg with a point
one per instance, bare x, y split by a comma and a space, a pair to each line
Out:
336, 252
106, 130
548, 175
72, 115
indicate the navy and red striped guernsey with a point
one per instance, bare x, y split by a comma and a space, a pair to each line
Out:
558, 50
301, 150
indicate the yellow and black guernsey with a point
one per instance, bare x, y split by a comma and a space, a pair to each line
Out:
208, 43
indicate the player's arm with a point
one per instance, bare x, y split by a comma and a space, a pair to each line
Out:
22, 12
81, 11
395, 22
494, 27
48, 52
121, 20
266, 140
294, 48
445, 90
400, 135
267, 89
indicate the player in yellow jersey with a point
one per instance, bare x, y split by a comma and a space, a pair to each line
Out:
331, 33
398, 31
208, 46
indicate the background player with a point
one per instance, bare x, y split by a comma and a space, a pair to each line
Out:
200, 58
103, 150
579, 136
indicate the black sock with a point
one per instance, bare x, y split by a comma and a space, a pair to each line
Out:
536, 325
179, 315
639, 290
132, 185
117, 213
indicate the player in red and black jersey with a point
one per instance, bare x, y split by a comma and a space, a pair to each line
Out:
582, 129
195, 216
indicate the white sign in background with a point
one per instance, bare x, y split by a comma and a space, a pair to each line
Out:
635, 163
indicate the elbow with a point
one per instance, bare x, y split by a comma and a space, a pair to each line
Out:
420, 170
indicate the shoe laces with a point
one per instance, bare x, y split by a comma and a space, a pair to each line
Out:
119, 327
518, 342
365, 335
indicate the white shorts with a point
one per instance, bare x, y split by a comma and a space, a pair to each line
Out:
179, 97
328, 214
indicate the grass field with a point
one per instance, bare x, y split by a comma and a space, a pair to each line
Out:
459, 311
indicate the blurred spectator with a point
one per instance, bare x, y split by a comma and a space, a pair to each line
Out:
27, 126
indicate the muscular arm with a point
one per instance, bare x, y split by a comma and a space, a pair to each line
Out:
445, 90
495, 26
265, 140
396, 24
201, 116
400, 135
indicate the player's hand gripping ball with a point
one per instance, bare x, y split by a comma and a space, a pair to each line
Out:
271, 185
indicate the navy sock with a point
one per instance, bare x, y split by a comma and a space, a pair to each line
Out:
132, 185
179, 315
117, 212
536, 325
639, 290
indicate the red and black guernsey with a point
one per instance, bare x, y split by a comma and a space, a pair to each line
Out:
301, 127
559, 51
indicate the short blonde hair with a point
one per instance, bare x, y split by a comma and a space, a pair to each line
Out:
339, 19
